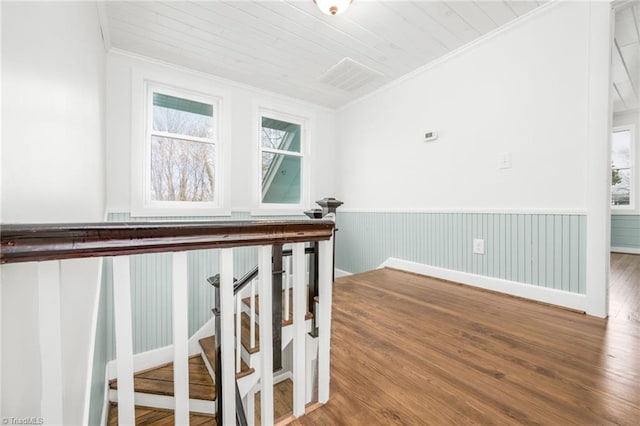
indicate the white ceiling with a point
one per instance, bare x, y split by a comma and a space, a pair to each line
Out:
626, 58
290, 47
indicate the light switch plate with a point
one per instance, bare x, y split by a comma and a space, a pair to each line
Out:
478, 246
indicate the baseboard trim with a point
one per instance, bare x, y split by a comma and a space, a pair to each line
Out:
339, 273
626, 250
541, 294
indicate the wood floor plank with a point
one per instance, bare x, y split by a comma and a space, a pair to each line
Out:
408, 349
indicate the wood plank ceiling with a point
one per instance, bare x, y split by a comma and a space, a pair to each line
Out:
626, 58
291, 48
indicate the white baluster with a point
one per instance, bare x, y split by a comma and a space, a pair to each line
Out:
266, 336
50, 341
124, 339
227, 338
250, 407
180, 338
238, 349
252, 315
286, 287
299, 329
325, 294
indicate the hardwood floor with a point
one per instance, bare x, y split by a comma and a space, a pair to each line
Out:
411, 350
624, 287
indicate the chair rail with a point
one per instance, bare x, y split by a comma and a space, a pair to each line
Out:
38, 242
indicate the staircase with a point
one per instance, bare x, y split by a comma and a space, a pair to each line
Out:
154, 387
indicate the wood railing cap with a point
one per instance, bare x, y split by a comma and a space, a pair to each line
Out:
38, 242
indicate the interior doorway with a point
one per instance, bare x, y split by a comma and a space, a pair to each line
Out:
624, 283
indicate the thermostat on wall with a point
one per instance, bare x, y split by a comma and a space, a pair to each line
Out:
430, 136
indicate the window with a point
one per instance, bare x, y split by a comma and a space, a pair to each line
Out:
622, 173
177, 151
183, 149
281, 161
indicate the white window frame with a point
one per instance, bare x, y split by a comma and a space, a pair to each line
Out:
633, 167
306, 120
144, 84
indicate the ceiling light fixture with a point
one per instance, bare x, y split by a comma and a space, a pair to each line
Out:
332, 7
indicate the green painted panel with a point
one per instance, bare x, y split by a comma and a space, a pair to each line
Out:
544, 250
583, 255
625, 231
574, 274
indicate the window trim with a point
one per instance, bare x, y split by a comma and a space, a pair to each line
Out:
633, 166
182, 86
306, 120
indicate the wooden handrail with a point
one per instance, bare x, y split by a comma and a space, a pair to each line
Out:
38, 242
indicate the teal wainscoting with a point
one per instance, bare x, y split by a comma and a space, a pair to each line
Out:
546, 250
151, 285
625, 231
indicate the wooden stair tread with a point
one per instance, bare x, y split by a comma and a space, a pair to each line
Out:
159, 380
245, 336
208, 344
159, 417
247, 302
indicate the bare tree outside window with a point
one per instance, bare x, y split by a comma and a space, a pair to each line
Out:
621, 168
183, 151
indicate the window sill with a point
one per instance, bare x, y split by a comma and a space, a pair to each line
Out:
624, 212
275, 211
179, 212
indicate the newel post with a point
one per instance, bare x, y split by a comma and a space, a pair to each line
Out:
329, 205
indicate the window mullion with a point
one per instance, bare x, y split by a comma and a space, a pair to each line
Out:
279, 151
170, 135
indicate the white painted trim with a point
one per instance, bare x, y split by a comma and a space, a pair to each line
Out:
325, 294
143, 82
92, 345
625, 212
219, 80
598, 158
455, 53
634, 204
339, 273
180, 308
514, 288
227, 337
306, 119
207, 329
266, 341
124, 337
105, 404
167, 402
532, 210
299, 329
50, 341
626, 250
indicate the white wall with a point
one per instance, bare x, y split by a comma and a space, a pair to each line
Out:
241, 142
521, 91
52, 171
538, 89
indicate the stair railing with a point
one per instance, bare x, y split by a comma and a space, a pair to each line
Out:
50, 244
